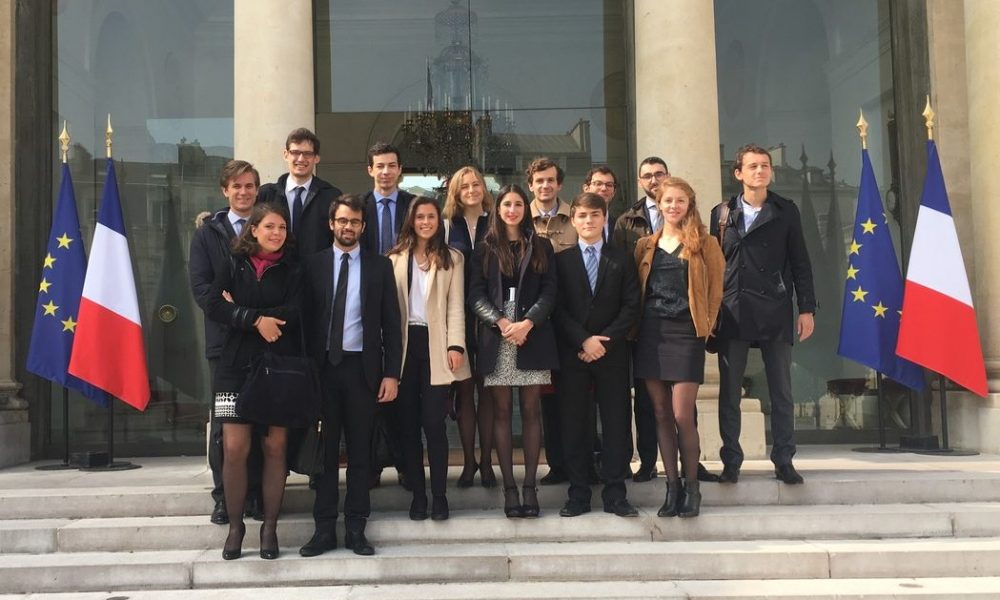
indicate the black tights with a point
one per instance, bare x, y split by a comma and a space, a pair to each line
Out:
674, 407
531, 431
236, 443
470, 416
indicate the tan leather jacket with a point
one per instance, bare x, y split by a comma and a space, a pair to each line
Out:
558, 229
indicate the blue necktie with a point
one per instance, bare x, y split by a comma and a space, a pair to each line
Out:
297, 209
591, 264
385, 228
238, 227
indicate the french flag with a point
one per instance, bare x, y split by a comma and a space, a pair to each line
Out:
108, 350
938, 327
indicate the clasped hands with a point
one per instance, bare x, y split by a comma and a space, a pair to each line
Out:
515, 333
593, 348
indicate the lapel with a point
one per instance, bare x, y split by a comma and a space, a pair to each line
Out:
401, 272
767, 213
400, 210
431, 274
310, 193
603, 264
365, 279
578, 264
327, 277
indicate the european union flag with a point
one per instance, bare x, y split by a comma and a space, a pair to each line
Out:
59, 295
873, 294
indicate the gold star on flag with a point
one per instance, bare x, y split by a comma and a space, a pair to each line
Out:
44, 286
855, 248
868, 226
50, 308
69, 325
859, 294
880, 310
852, 272
64, 241
49, 261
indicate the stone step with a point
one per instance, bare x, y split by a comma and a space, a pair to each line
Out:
947, 588
134, 534
755, 488
512, 562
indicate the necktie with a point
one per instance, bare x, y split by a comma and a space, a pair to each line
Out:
297, 209
336, 350
386, 240
239, 226
591, 264
654, 219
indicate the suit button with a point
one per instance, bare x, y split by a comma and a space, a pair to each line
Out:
742, 266
761, 269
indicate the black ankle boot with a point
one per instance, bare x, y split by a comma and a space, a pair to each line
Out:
672, 502
692, 500
512, 503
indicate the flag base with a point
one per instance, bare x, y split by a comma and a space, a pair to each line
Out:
918, 442
878, 450
56, 467
114, 466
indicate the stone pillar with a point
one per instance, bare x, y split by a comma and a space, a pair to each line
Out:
274, 81
677, 118
15, 435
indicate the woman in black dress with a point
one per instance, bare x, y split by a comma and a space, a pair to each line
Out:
257, 299
680, 273
513, 292
467, 214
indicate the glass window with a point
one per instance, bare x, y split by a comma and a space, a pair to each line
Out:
163, 70
792, 76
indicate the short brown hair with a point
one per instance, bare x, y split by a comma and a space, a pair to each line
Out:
351, 201
383, 148
603, 170
588, 200
297, 136
234, 169
750, 149
542, 163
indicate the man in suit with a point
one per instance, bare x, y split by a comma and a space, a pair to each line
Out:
766, 260
596, 308
601, 180
209, 254
386, 204
356, 339
305, 197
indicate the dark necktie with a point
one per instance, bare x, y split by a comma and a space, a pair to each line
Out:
239, 226
297, 209
336, 351
385, 228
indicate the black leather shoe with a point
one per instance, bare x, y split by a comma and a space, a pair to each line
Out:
512, 503
673, 500
468, 473
219, 514
487, 478
268, 543
418, 507
574, 509
358, 542
254, 508
622, 508
234, 542
691, 505
730, 474
646, 472
788, 474
439, 508
554, 476
529, 506
320, 542
705, 475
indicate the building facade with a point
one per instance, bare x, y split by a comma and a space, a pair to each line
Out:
191, 85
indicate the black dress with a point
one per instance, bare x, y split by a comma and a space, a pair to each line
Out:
668, 348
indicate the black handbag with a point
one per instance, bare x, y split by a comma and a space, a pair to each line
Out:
309, 456
383, 452
281, 390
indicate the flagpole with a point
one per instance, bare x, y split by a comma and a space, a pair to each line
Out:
64, 139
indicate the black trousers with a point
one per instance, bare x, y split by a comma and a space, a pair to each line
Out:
552, 430
778, 368
255, 460
421, 405
348, 406
645, 422
579, 386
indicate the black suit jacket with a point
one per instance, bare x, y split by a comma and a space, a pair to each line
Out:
369, 239
611, 310
382, 336
314, 232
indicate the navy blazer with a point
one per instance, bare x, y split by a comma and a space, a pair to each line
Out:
314, 232
369, 238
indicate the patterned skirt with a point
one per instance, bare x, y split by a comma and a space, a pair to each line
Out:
506, 372
227, 383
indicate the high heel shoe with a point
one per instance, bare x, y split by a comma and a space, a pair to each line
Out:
529, 509
468, 473
269, 542
512, 503
672, 501
234, 548
487, 478
691, 506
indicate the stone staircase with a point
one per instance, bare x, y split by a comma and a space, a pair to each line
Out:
871, 526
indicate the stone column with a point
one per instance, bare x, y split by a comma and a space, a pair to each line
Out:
15, 435
274, 82
677, 118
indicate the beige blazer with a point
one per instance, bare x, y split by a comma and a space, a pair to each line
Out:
445, 313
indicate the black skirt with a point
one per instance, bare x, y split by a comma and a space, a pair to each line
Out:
226, 384
669, 350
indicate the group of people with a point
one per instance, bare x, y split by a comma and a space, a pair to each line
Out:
404, 303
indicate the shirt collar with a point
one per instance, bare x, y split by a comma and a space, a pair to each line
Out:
291, 185
650, 203
392, 197
354, 254
233, 217
598, 245
747, 206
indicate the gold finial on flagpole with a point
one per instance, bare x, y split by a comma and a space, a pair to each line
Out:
107, 136
64, 142
929, 118
862, 126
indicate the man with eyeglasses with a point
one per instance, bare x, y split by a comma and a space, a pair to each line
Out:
305, 197
601, 180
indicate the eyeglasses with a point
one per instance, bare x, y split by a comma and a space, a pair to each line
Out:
344, 222
302, 154
602, 184
658, 176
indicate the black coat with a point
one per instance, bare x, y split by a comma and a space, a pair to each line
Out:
314, 232
370, 236
630, 226
276, 294
382, 336
535, 300
208, 255
460, 239
610, 311
763, 267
